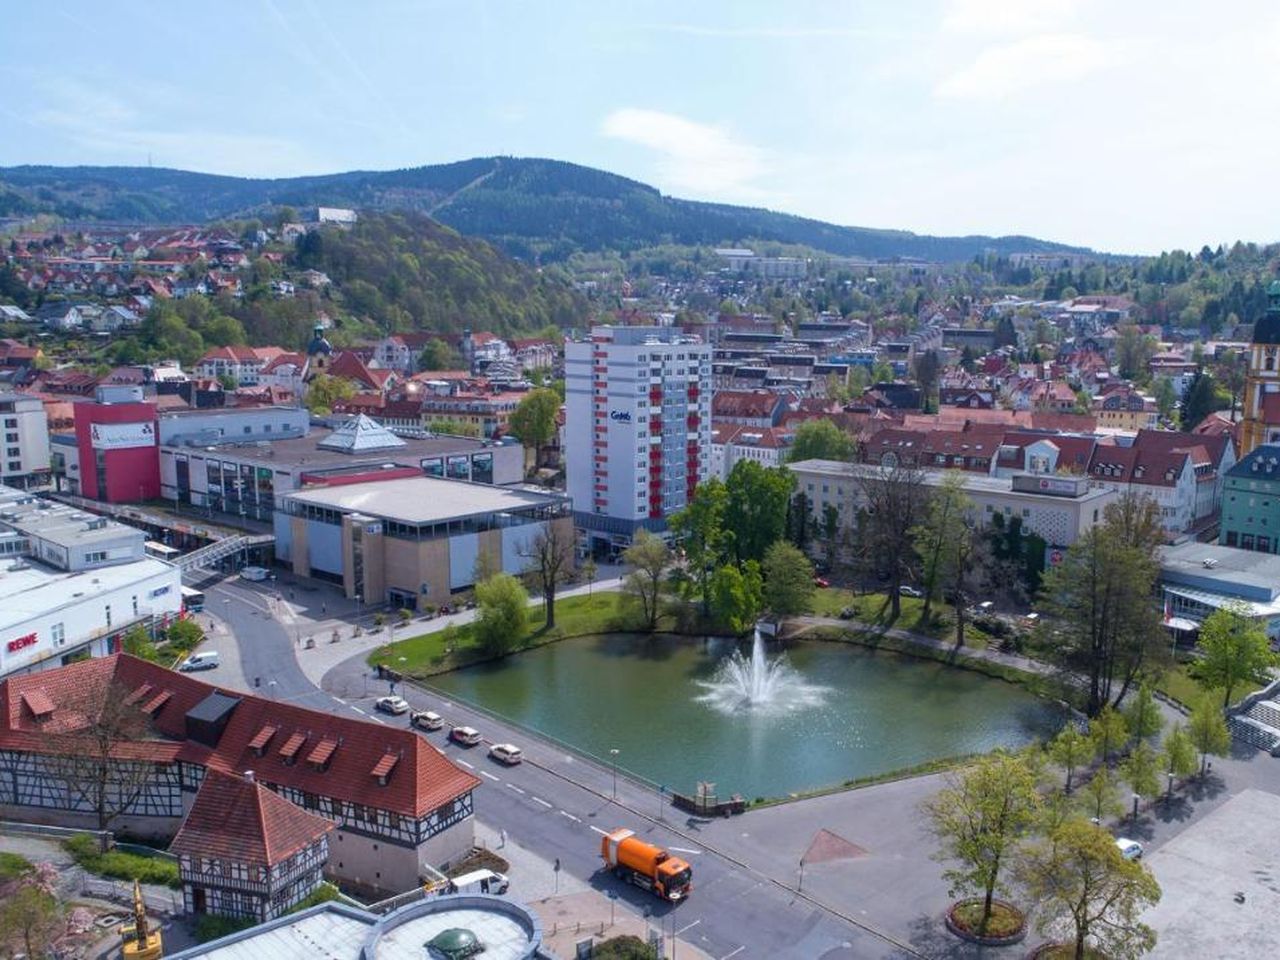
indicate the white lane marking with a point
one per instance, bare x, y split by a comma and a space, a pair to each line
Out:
735, 953
566, 813
486, 773
337, 700
359, 711
541, 801
603, 833
463, 763
683, 850
688, 926
515, 788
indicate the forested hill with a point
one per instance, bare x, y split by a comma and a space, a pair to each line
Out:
529, 207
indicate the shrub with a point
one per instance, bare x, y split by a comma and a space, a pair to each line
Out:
321, 894
119, 865
211, 927
623, 948
404, 614
12, 866
379, 618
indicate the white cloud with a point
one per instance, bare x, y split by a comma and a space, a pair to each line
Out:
1006, 16
1005, 69
699, 158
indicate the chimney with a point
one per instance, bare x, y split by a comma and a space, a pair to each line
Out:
248, 775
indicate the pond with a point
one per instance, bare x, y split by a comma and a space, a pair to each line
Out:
842, 712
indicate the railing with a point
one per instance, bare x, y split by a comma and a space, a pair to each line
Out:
221, 549
16, 828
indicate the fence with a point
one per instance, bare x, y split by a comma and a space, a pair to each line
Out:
119, 891
16, 828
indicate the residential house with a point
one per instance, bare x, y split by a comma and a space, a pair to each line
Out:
60, 316
244, 364
1121, 407
767, 446
1251, 502
748, 408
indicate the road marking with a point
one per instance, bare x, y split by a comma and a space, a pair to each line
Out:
683, 850
463, 763
603, 833
688, 926
359, 711
486, 773
337, 700
735, 953
565, 813
541, 801
515, 788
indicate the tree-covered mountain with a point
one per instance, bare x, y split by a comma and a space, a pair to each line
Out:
529, 207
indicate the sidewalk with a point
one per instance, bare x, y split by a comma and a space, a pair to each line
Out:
569, 918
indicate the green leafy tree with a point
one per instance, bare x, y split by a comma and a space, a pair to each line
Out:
756, 510
941, 528
1142, 715
1166, 398
701, 532
820, 439
1109, 732
1101, 795
1070, 749
137, 642
737, 596
649, 557
438, 355
980, 818
1199, 400
1141, 770
501, 613
1179, 755
325, 391
788, 579
31, 915
1208, 731
534, 419
1234, 650
1085, 890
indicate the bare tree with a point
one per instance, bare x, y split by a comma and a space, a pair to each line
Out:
650, 558
550, 556
88, 755
893, 498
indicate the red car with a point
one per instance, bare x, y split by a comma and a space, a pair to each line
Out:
821, 582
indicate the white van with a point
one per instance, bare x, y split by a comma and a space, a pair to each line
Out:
200, 661
479, 881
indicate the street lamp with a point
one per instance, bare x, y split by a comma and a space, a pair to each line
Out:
271, 689
1170, 776
1136, 799
614, 754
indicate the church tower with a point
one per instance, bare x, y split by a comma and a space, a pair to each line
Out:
319, 353
1261, 422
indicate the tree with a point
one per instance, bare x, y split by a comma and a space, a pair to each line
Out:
1109, 732
550, 556
501, 613
1085, 889
534, 419
820, 439
926, 374
941, 527
438, 355
1098, 602
700, 530
325, 391
137, 642
893, 498
649, 557
756, 509
1133, 351
1208, 731
1070, 749
1179, 756
737, 596
1234, 650
1141, 771
788, 579
1101, 795
588, 570
1142, 716
1199, 400
980, 818
85, 759
32, 914
1166, 398
831, 533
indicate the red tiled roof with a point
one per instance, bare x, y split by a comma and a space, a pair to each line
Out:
323, 751
424, 781
385, 765
158, 701
744, 403
241, 820
37, 702
138, 694
289, 749
262, 737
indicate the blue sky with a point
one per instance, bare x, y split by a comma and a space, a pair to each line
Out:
1132, 127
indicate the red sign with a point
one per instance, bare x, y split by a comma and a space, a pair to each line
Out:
17, 644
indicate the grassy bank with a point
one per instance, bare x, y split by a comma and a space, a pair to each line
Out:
1178, 684
938, 765
119, 865
874, 608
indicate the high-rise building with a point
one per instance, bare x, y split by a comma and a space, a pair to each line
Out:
637, 429
1261, 421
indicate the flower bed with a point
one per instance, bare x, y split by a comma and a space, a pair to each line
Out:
1063, 951
1006, 924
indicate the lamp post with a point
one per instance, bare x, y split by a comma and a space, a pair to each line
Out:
1136, 799
614, 754
1169, 795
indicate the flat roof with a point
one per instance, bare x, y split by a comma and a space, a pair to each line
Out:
305, 453
57, 522
1228, 566
34, 589
419, 500
975, 482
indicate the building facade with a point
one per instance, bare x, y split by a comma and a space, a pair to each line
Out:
637, 429
1251, 502
116, 443
1261, 408
26, 440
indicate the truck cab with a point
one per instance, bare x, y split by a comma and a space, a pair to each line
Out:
646, 866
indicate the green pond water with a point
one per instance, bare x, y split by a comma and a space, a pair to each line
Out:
839, 712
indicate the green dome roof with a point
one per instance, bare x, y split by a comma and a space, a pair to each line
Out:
454, 944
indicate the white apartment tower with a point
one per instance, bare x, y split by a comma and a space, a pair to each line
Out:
637, 429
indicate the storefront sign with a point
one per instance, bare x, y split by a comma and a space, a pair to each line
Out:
20, 643
621, 416
122, 436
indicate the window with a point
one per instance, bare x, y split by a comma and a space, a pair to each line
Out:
15, 466
248, 429
11, 438
58, 634
15, 451
107, 613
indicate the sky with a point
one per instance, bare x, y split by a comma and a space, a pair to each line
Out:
1129, 127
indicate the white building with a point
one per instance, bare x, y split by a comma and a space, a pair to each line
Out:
26, 439
767, 446
637, 428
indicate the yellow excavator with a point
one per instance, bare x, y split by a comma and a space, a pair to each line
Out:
140, 941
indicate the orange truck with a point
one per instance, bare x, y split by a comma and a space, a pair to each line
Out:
647, 866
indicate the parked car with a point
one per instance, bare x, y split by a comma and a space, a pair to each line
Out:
479, 881
507, 753
910, 591
254, 573
821, 582
200, 661
1129, 849
393, 705
426, 720
467, 736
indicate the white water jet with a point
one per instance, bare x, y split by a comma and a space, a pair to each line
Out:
759, 684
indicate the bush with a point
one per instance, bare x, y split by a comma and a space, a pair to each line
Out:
210, 927
12, 866
184, 636
379, 618
321, 894
119, 865
80, 846
404, 614
623, 948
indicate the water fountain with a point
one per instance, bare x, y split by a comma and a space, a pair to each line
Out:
759, 684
